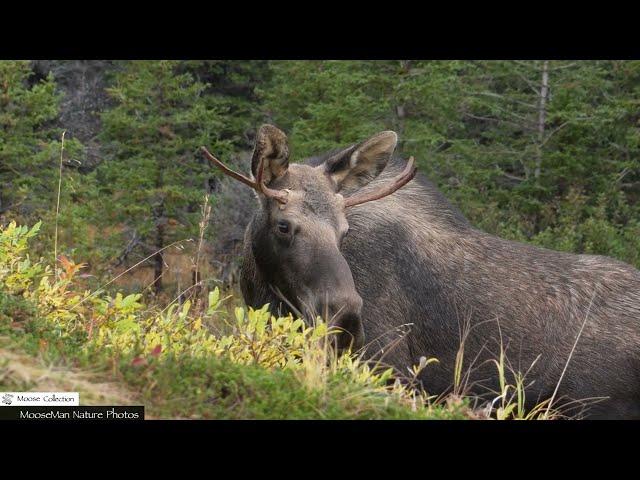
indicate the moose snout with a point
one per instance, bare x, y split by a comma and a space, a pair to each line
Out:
344, 313
340, 306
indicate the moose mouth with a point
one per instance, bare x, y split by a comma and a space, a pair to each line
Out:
345, 317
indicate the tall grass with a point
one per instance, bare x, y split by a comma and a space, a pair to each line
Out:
55, 236
205, 215
510, 400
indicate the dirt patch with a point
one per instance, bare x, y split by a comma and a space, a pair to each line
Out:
32, 374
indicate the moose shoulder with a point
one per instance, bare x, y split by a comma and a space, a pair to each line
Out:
353, 236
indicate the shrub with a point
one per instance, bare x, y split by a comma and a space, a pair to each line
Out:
266, 366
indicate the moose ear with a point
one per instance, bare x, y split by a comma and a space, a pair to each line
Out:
358, 165
273, 146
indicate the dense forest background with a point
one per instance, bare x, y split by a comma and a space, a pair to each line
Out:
545, 152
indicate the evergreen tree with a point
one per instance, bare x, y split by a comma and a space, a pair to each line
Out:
231, 87
155, 179
30, 150
538, 151
26, 140
541, 151
329, 104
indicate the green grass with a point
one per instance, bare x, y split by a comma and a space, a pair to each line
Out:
115, 349
205, 387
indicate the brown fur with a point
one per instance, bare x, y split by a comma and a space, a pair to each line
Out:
412, 258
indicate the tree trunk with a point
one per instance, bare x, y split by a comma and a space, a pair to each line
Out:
158, 258
158, 215
542, 115
401, 114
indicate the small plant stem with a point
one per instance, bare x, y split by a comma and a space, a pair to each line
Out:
55, 237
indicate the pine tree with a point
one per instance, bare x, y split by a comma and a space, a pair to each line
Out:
231, 87
155, 178
329, 104
540, 151
30, 150
27, 142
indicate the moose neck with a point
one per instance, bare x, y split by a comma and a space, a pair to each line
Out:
418, 210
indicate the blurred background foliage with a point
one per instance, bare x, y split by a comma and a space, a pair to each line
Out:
545, 152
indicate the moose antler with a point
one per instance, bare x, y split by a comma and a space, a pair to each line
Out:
387, 189
258, 185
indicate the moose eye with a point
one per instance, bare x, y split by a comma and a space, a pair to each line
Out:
284, 227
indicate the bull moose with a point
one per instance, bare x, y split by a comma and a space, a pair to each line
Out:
357, 236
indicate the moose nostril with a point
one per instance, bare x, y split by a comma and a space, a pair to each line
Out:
351, 332
348, 322
343, 312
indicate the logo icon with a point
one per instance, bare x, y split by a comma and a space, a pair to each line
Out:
7, 399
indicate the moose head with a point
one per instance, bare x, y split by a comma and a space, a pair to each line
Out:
297, 234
